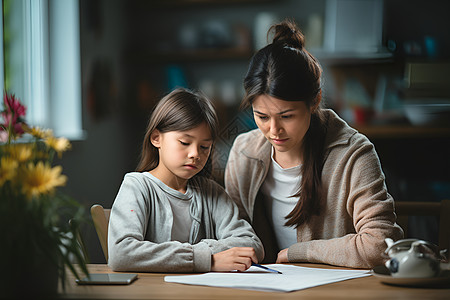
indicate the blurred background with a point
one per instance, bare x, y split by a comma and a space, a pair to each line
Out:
93, 70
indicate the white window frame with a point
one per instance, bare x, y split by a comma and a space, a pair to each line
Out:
46, 62
2, 67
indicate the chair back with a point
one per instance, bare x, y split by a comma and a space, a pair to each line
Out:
100, 217
405, 209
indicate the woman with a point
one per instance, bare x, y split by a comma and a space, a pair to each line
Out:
310, 185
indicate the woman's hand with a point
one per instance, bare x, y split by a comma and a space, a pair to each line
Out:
282, 256
237, 258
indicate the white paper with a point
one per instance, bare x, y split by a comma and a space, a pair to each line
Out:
293, 278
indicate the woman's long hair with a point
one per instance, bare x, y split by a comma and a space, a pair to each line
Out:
180, 110
285, 70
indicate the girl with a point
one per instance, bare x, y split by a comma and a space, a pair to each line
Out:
310, 185
167, 218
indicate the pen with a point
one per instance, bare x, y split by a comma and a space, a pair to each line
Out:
266, 268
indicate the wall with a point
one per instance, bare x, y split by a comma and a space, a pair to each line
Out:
95, 166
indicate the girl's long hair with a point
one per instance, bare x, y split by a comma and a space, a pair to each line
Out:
285, 70
180, 110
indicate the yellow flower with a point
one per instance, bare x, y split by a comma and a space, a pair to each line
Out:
58, 144
21, 152
41, 179
40, 133
8, 168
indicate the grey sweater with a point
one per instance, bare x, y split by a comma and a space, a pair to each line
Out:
140, 226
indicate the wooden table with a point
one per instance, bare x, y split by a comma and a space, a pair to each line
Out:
152, 286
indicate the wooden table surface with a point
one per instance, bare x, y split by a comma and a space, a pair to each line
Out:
152, 286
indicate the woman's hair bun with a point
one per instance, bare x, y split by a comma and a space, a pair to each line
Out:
287, 32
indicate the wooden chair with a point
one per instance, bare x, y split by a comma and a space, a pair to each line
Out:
439, 209
100, 217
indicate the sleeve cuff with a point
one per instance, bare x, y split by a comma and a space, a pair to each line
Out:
297, 253
202, 259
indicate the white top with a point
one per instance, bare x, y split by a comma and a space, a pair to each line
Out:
182, 220
278, 187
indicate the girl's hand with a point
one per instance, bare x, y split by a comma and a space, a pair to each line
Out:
237, 258
282, 256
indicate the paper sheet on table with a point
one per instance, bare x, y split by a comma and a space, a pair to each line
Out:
293, 278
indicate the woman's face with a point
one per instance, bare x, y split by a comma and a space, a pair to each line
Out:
283, 123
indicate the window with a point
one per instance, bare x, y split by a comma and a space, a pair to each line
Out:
42, 62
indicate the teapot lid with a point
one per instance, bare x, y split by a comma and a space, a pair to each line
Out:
405, 244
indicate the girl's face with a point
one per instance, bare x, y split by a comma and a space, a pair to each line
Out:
182, 154
283, 123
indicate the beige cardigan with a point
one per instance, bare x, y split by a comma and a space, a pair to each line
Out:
357, 213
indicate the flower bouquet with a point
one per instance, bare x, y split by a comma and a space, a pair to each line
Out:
39, 223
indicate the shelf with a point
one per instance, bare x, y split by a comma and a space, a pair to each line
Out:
197, 55
403, 131
218, 54
331, 58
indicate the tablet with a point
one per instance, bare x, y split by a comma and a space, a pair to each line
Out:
102, 278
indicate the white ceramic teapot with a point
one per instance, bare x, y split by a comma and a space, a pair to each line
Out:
412, 258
